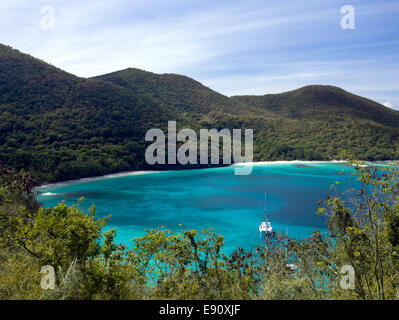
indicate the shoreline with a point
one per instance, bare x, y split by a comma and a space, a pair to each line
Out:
286, 162
107, 176
132, 173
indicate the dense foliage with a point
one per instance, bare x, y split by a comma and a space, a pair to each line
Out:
363, 232
58, 126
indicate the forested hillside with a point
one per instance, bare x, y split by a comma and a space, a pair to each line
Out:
58, 126
61, 127
323, 102
179, 92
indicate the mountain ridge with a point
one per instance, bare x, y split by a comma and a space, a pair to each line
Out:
176, 91
324, 95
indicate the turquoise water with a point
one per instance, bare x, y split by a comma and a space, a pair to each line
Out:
209, 198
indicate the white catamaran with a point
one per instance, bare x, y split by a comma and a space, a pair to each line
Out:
265, 226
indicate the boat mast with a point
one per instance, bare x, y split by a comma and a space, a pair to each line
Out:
265, 201
265, 225
266, 206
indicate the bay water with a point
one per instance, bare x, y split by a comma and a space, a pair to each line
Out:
232, 205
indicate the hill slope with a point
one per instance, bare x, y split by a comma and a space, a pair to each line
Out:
177, 92
323, 102
67, 127
60, 127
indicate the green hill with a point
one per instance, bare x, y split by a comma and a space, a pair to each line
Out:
59, 126
179, 93
324, 103
63, 127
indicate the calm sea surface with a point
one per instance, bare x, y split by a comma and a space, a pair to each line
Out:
209, 198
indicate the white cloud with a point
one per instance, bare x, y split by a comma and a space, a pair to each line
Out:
389, 104
94, 37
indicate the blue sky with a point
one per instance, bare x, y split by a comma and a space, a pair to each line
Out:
234, 47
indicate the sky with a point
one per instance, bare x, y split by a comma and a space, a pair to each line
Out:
235, 47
